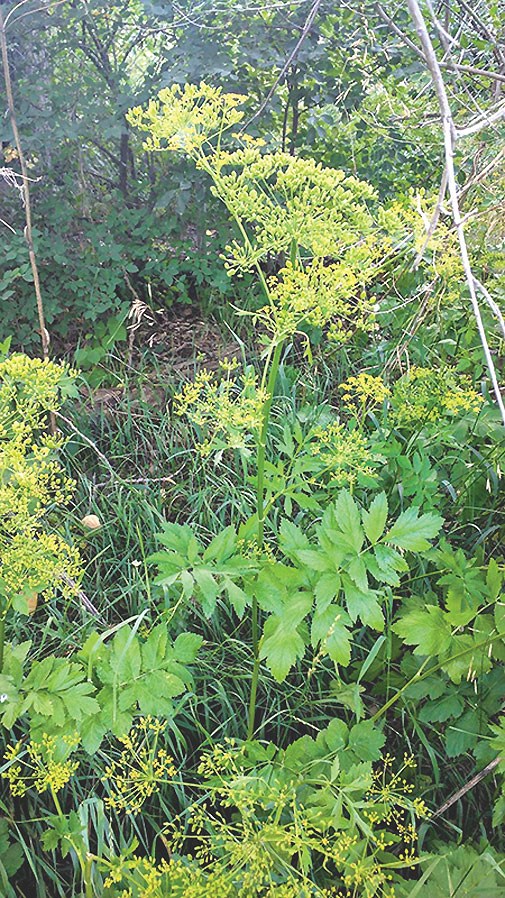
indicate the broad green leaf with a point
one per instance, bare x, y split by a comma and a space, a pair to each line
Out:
316, 560
291, 539
187, 646
427, 628
384, 564
442, 709
366, 741
92, 732
335, 736
348, 520
462, 735
209, 588
374, 520
357, 572
154, 648
327, 588
283, 641
238, 598
329, 629
125, 658
222, 546
413, 532
281, 646
363, 604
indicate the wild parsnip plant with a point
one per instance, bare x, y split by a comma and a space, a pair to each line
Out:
327, 235
35, 559
316, 238
317, 819
322, 580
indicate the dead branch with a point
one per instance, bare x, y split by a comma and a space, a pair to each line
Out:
44, 334
451, 135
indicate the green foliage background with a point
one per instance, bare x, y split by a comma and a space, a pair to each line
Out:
378, 585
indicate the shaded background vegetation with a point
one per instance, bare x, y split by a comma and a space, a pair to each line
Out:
135, 294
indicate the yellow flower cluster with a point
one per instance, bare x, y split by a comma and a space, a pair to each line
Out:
228, 412
183, 119
31, 384
315, 295
288, 199
342, 454
36, 561
140, 769
364, 391
41, 765
32, 481
284, 198
425, 395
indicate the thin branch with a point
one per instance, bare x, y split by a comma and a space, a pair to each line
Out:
491, 303
479, 176
44, 334
292, 56
430, 230
466, 788
459, 67
484, 122
105, 461
450, 137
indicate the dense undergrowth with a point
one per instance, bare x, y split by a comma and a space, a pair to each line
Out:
251, 557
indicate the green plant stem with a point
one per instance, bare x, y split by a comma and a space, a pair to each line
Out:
2, 641
260, 509
422, 674
86, 864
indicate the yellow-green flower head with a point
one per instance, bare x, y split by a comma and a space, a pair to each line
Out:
40, 562
229, 412
288, 199
364, 391
30, 385
141, 768
425, 395
316, 295
32, 481
183, 119
341, 455
44, 765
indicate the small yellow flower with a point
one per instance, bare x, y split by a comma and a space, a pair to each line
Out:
44, 765
140, 770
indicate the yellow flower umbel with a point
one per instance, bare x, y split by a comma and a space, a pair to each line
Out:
38, 562
32, 482
424, 395
363, 392
229, 413
141, 768
44, 765
342, 455
316, 295
182, 119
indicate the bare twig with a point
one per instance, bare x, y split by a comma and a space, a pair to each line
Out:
292, 56
430, 230
459, 67
466, 788
487, 119
491, 303
477, 177
105, 461
451, 134
44, 334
